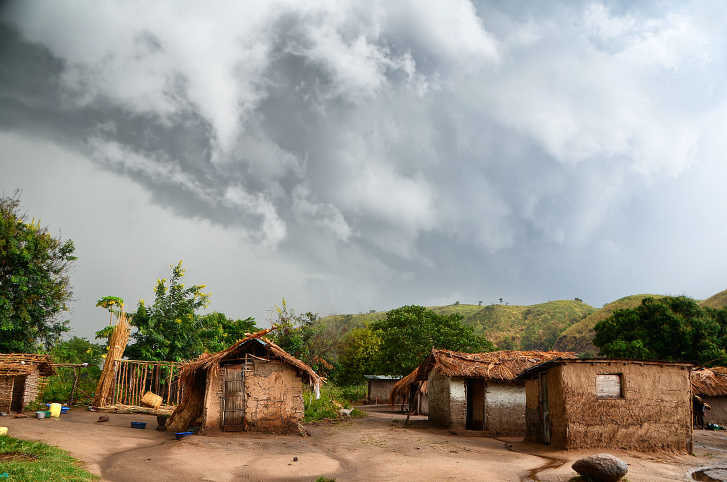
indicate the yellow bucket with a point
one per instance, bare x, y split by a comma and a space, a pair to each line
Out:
3, 431
55, 409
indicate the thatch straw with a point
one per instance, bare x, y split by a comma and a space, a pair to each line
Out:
117, 344
400, 391
710, 382
23, 363
503, 366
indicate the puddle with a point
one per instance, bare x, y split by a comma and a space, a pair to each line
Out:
17, 457
710, 474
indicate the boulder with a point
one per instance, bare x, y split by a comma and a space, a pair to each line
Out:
601, 467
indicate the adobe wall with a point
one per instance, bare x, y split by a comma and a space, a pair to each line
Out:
32, 387
457, 404
273, 397
655, 412
438, 394
380, 390
213, 401
504, 409
718, 413
6, 393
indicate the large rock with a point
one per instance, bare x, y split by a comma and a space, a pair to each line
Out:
601, 467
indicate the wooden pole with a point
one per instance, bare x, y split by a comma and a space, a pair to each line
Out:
72, 398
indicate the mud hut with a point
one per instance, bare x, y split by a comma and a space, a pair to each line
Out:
615, 404
711, 385
254, 385
412, 393
479, 391
379, 387
21, 377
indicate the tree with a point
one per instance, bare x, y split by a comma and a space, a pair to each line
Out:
669, 328
217, 332
34, 284
409, 333
74, 350
360, 354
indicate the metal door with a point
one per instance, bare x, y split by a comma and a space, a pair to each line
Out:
234, 398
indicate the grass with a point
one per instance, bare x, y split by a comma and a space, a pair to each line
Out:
716, 301
38, 461
328, 406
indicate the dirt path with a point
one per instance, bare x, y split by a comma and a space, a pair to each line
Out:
378, 447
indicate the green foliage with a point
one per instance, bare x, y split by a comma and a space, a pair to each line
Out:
49, 463
359, 356
75, 350
34, 285
332, 399
171, 329
670, 328
409, 333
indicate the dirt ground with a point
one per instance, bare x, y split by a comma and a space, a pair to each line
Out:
377, 447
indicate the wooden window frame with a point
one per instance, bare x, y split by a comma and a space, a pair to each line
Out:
621, 386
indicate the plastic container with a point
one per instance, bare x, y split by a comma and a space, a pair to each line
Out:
47, 413
181, 435
139, 425
65, 410
55, 409
40, 414
3, 431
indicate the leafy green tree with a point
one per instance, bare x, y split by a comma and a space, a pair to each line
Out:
359, 356
172, 330
669, 328
34, 284
409, 333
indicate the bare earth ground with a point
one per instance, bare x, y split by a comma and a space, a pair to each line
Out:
377, 447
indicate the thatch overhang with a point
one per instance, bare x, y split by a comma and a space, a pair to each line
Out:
710, 382
12, 364
207, 361
501, 366
532, 371
402, 388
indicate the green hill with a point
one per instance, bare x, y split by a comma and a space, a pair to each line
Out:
718, 300
508, 326
579, 336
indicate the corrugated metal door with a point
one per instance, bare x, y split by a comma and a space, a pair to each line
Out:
234, 398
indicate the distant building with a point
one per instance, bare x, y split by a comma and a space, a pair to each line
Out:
479, 391
711, 385
380, 387
615, 404
254, 385
21, 376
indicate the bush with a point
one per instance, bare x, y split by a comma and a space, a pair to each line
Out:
74, 350
331, 401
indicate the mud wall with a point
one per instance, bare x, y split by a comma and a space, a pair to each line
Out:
32, 387
438, 394
535, 411
654, 413
213, 401
380, 390
273, 397
6, 393
457, 404
718, 413
504, 409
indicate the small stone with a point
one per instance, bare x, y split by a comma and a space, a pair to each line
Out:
295, 459
601, 467
103, 418
20, 415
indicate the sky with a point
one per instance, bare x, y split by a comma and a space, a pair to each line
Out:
351, 156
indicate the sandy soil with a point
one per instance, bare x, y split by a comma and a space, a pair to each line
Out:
377, 447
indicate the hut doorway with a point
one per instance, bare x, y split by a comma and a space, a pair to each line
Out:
233, 398
475, 389
16, 404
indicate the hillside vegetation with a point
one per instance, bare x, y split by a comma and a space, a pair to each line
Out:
507, 326
579, 337
716, 301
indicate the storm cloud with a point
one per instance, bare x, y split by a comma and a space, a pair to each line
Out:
372, 154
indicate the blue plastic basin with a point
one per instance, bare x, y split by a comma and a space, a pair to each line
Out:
139, 425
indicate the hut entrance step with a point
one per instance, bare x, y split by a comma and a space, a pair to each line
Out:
234, 398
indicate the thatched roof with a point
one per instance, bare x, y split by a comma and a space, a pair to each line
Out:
502, 366
401, 388
206, 360
710, 382
24, 363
